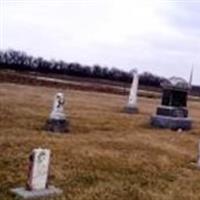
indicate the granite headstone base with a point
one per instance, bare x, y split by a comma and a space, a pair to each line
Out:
131, 110
173, 123
57, 125
172, 111
51, 191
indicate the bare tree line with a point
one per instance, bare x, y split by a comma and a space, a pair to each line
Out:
20, 61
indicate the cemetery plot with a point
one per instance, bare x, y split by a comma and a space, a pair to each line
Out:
108, 153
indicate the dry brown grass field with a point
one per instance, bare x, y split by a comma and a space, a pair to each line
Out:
108, 155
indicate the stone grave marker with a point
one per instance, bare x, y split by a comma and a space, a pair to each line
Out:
57, 121
173, 112
38, 169
131, 106
37, 183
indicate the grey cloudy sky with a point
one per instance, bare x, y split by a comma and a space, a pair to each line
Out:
159, 36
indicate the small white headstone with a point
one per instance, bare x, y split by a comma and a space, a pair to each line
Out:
37, 187
39, 169
58, 107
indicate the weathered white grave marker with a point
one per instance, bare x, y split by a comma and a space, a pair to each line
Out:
58, 107
38, 169
57, 121
37, 184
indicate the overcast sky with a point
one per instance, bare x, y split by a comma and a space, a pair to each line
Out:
159, 36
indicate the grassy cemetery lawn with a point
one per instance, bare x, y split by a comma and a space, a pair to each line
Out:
108, 154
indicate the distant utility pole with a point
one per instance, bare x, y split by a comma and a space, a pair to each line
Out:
191, 76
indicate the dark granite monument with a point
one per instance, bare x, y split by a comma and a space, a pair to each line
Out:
173, 112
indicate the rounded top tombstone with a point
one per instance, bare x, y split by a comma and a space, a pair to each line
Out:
58, 107
59, 101
176, 83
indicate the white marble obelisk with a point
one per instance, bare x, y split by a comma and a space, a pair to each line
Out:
57, 121
131, 106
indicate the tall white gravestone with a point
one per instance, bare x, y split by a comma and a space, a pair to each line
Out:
37, 184
131, 106
57, 121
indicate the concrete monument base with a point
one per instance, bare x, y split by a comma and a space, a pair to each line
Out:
51, 191
131, 110
57, 125
173, 123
